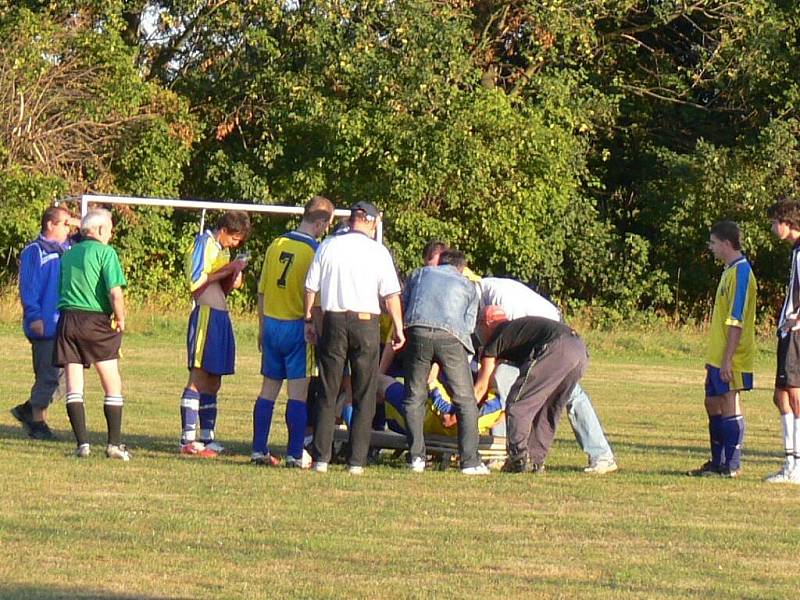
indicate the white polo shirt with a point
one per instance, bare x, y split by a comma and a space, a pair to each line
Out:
351, 271
517, 299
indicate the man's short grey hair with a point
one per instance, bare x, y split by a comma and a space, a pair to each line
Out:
94, 218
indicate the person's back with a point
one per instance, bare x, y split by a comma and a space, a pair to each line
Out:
516, 298
88, 271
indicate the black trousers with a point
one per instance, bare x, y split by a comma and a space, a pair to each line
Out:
354, 338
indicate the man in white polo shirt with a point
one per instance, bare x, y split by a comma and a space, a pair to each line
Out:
351, 272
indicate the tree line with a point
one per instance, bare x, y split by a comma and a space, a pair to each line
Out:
584, 147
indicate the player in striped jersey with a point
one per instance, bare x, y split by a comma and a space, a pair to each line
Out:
729, 360
285, 354
211, 347
785, 218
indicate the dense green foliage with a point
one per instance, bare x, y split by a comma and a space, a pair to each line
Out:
583, 147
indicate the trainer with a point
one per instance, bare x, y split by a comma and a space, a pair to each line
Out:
352, 273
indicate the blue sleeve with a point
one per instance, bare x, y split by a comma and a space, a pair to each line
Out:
440, 405
741, 287
30, 283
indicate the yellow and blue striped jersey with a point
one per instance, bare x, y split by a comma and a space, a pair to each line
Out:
283, 275
205, 256
734, 306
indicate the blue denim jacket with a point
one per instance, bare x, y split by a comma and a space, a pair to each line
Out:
441, 298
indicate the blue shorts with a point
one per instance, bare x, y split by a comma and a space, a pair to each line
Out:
284, 351
741, 382
209, 342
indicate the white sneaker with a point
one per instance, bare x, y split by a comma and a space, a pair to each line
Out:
119, 452
355, 470
320, 467
794, 476
417, 465
214, 447
304, 462
481, 469
601, 466
83, 451
781, 476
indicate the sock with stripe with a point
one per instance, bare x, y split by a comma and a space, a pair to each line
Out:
796, 438
190, 404
262, 421
788, 430
296, 417
733, 428
208, 417
716, 435
112, 408
77, 417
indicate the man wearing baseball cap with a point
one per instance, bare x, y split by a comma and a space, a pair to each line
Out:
352, 273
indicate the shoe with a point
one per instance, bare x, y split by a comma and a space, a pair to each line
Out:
40, 431
519, 464
537, 468
417, 465
304, 462
794, 476
373, 455
266, 460
24, 414
481, 469
355, 470
319, 467
120, 452
215, 446
783, 475
197, 449
601, 466
729, 473
708, 469
83, 451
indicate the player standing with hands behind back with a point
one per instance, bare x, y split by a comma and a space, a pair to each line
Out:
729, 360
210, 344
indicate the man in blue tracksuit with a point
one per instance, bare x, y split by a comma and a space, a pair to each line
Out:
39, 272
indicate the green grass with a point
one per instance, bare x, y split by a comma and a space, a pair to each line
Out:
163, 526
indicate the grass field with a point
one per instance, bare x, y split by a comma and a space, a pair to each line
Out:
163, 526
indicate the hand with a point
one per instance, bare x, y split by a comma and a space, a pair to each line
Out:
449, 420
118, 324
37, 327
237, 282
726, 371
260, 336
398, 340
310, 333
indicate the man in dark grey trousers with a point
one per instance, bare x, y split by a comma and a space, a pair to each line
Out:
551, 359
441, 306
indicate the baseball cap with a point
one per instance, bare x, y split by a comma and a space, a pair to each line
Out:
368, 208
493, 314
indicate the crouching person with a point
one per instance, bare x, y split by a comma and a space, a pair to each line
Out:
90, 295
551, 359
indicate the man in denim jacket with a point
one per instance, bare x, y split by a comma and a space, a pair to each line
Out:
39, 270
441, 307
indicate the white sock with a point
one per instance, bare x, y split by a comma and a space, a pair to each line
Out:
796, 436
788, 429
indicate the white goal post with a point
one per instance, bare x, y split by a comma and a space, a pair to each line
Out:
204, 205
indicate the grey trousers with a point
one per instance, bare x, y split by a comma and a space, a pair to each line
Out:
539, 395
45, 385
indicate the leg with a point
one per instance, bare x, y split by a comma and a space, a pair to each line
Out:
296, 416
586, 426
364, 356
262, 416
332, 355
418, 359
75, 407
455, 365
732, 426
44, 388
110, 379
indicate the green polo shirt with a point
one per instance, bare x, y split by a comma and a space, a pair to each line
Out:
88, 271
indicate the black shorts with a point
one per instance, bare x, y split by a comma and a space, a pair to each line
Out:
788, 372
85, 338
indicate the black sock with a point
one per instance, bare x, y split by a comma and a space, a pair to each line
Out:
112, 407
77, 417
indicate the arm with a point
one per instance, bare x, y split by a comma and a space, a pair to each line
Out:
118, 305
30, 289
310, 330
260, 320
725, 369
387, 357
396, 313
485, 373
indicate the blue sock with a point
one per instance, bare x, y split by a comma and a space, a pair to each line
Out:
262, 419
190, 402
734, 436
208, 417
379, 421
296, 417
347, 414
717, 436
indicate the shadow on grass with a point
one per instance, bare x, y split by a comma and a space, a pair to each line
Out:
45, 592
